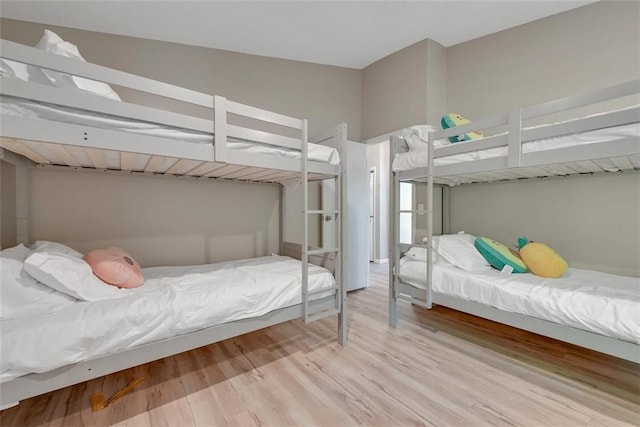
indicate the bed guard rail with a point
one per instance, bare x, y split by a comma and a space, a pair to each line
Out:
249, 123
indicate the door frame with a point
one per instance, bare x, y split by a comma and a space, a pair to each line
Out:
372, 212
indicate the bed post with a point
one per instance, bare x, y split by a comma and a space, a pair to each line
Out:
21, 165
429, 299
446, 212
220, 129
304, 176
329, 251
282, 234
341, 183
394, 209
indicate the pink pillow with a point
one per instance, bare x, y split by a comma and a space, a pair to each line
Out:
115, 267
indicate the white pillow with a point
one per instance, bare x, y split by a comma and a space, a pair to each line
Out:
420, 254
51, 42
20, 294
459, 250
70, 275
417, 137
47, 246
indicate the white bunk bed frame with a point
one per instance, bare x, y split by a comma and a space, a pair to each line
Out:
196, 160
525, 165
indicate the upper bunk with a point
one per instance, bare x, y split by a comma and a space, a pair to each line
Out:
53, 121
534, 144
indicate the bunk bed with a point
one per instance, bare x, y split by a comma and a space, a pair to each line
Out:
595, 143
48, 126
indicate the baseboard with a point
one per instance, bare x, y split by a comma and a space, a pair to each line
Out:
381, 261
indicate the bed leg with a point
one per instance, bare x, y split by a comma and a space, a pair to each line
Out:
393, 308
342, 325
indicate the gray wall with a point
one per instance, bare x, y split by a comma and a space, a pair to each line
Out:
592, 221
8, 222
173, 221
403, 89
562, 55
159, 220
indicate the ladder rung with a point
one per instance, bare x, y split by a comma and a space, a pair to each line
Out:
322, 251
322, 178
418, 246
320, 291
323, 212
414, 300
423, 211
321, 315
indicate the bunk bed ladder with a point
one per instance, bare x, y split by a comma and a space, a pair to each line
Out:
309, 312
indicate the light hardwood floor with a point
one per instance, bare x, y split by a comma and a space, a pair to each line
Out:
438, 367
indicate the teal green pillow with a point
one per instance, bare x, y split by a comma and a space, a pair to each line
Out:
453, 120
499, 255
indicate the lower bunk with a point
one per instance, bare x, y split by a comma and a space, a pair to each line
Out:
176, 310
591, 309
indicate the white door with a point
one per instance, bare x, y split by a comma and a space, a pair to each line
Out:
356, 214
356, 230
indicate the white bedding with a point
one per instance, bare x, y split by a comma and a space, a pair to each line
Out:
172, 301
418, 159
31, 109
603, 303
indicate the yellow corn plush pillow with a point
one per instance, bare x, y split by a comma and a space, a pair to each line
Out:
541, 259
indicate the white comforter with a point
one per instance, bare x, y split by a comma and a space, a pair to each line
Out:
172, 301
26, 108
604, 303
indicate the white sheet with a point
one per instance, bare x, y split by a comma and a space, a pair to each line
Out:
31, 109
418, 159
172, 301
603, 303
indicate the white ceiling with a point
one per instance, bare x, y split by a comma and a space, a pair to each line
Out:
343, 33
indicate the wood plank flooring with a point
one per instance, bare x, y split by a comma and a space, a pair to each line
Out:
438, 367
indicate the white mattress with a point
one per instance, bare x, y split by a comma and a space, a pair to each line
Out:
31, 109
172, 301
418, 159
603, 303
